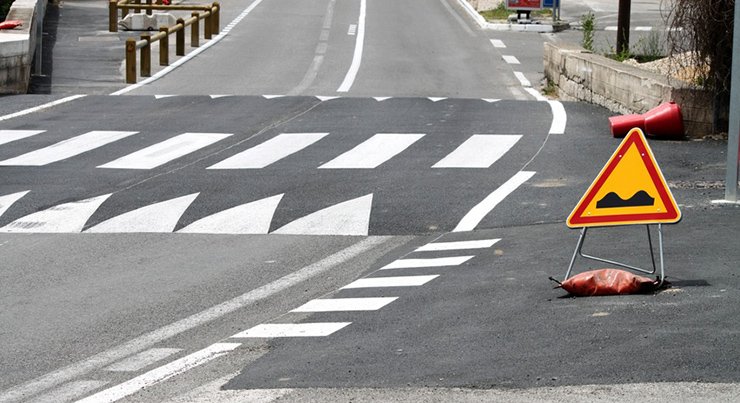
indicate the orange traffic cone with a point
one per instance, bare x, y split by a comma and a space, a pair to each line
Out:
664, 121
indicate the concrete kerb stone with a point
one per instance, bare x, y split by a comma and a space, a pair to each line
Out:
537, 27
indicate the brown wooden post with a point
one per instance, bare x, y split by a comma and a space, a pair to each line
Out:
195, 32
164, 47
207, 26
146, 57
149, 11
180, 38
124, 9
137, 9
216, 9
113, 16
131, 60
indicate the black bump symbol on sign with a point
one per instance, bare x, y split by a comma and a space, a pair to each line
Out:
611, 200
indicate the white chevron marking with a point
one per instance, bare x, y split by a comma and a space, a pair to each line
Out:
8, 200
6, 136
157, 217
68, 217
249, 218
351, 217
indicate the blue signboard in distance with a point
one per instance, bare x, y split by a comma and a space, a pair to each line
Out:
548, 3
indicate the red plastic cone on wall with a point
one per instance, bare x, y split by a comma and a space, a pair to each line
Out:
664, 121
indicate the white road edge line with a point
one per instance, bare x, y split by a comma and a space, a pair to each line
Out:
192, 54
150, 339
522, 79
354, 68
477, 213
160, 374
559, 117
41, 107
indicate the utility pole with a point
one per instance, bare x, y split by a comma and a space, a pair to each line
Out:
733, 138
623, 27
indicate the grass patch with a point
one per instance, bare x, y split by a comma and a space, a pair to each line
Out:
502, 13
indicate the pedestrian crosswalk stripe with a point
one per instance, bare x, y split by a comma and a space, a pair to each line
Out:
6, 136
434, 262
374, 151
8, 200
396, 281
68, 217
270, 151
166, 151
271, 330
479, 151
66, 148
459, 245
351, 217
345, 304
157, 217
250, 218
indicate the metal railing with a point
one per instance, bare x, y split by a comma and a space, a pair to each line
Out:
209, 13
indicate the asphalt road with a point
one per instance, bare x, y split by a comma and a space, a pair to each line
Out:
224, 252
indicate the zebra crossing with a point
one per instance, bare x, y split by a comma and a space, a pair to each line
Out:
477, 151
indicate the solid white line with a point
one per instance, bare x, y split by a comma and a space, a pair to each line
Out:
536, 94
6, 136
345, 304
157, 217
477, 213
399, 281
40, 107
522, 79
150, 339
611, 28
160, 374
250, 218
460, 245
434, 262
270, 151
510, 59
351, 217
166, 151
354, 68
216, 39
374, 151
66, 148
559, 117
8, 200
68, 217
272, 330
69, 391
643, 28
142, 360
498, 43
479, 151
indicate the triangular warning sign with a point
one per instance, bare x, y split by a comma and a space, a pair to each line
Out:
630, 189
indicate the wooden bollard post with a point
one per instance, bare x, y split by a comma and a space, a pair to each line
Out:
137, 9
180, 38
164, 47
216, 18
207, 26
146, 57
195, 32
113, 16
149, 11
131, 60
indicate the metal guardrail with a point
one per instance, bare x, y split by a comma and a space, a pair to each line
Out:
209, 13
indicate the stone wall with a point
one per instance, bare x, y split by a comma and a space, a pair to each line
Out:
17, 46
580, 75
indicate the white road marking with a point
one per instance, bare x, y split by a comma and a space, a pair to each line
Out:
273, 96
498, 43
6, 136
160, 374
559, 117
536, 94
8, 200
68, 217
154, 337
611, 28
345, 304
142, 360
354, 68
643, 28
166, 151
459, 245
250, 218
351, 217
482, 209
381, 99
479, 151
164, 96
273, 330
67, 148
373, 152
157, 217
270, 151
510, 59
522, 79
399, 281
221, 96
433, 262
436, 99
490, 100
40, 107
324, 98
69, 391
352, 30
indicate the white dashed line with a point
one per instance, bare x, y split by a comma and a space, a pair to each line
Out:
434, 262
498, 43
510, 59
522, 79
460, 245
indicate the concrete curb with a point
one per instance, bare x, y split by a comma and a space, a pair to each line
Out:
541, 28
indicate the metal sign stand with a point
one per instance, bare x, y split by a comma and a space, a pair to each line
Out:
579, 252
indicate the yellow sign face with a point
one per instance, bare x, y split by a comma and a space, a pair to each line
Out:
629, 190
